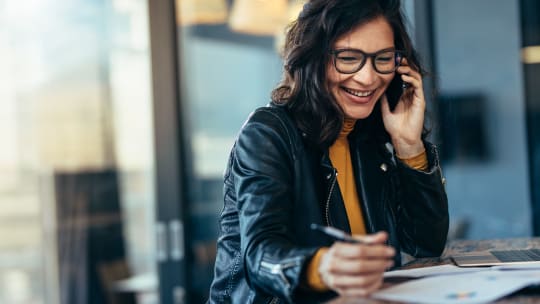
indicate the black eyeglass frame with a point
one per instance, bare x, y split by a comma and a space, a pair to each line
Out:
398, 57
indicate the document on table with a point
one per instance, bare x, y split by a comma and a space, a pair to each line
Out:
431, 271
475, 287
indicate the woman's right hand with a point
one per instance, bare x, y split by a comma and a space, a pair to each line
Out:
356, 270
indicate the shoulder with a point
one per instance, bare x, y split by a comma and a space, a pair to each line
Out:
271, 119
268, 130
271, 115
266, 143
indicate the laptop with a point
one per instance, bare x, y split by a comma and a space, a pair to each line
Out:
497, 257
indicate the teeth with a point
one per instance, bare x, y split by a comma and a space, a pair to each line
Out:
358, 93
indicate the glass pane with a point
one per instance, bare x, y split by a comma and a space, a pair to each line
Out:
76, 189
225, 75
482, 116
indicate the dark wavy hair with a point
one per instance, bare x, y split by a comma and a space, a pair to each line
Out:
303, 89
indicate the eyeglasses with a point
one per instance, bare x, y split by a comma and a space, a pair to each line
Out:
349, 61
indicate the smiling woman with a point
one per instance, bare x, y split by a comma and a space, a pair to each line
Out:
330, 114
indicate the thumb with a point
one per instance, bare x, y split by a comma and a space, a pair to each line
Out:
376, 238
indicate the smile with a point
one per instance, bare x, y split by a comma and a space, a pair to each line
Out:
359, 93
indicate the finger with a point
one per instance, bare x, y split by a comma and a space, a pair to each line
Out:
417, 90
355, 251
368, 286
355, 281
417, 83
376, 238
407, 74
360, 266
362, 292
405, 63
409, 70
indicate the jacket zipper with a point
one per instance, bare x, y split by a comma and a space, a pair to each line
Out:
274, 301
436, 152
278, 269
327, 209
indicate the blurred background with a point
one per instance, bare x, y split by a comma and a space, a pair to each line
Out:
117, 117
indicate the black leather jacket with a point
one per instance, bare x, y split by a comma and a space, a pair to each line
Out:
276, 185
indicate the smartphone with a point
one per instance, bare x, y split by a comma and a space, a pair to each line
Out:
394, 91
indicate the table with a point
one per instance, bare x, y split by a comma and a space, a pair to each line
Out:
461, 246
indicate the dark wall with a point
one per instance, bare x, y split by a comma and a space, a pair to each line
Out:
530, 24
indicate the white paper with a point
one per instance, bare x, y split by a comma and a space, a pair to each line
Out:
432, 271
477, 287
526, 266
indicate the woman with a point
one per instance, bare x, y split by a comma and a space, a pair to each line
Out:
339, 109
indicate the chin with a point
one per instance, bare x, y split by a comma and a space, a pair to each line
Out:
361, 113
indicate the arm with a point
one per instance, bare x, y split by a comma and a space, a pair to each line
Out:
423, 210
422, 214
262, 170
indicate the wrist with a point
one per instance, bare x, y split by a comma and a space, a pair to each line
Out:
406, 150
314, 276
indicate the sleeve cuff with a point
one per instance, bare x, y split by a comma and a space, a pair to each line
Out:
418, 162
313, 277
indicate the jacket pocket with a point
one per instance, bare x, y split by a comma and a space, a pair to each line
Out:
274, 300
276, 270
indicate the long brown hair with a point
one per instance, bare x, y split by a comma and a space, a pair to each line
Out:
303, 90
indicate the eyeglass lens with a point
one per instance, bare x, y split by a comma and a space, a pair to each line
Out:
351, 61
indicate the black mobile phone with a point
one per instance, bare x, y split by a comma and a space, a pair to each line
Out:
394, 91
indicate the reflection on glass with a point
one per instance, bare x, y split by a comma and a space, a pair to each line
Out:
76, 189
201, 11
225, 75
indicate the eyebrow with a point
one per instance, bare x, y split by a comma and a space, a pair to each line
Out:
393, 48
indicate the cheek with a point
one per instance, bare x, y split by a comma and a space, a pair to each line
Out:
331, 78
335, 80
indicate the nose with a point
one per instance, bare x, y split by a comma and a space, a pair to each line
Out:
367, 74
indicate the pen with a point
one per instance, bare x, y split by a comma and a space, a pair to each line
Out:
335, 233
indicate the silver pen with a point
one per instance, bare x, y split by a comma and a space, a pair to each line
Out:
336, 234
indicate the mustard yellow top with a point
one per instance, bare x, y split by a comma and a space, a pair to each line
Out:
341, 160
340, 156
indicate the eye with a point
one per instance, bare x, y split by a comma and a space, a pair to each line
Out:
384, 59
349, 57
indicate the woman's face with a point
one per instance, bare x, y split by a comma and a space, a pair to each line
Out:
358, 93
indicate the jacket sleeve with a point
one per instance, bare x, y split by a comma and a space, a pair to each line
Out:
423, 209
262, 170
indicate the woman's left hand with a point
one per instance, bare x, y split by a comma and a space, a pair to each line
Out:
406, 123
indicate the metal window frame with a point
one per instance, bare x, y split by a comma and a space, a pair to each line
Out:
171, 173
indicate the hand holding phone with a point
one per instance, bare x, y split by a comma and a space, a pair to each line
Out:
403, 111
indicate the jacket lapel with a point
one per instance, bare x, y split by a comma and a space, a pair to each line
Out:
337, 215
370, 169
